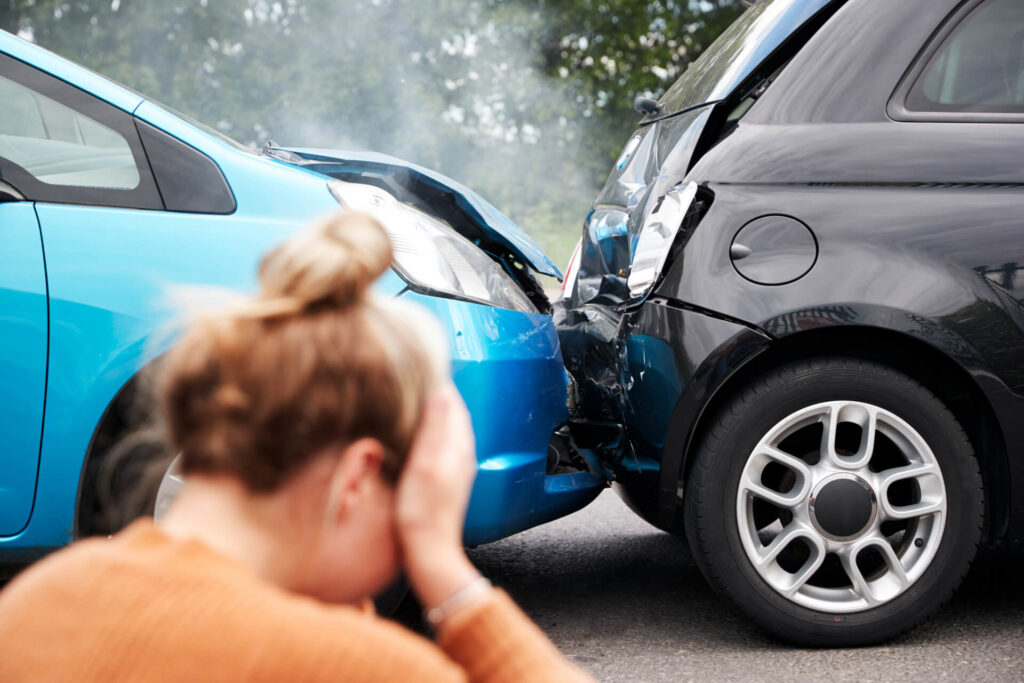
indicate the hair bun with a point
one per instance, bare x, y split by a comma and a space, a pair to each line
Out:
333, 263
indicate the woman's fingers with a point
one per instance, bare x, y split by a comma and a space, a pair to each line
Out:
435, 486
433, 433
432, 498
445, 439
461, 446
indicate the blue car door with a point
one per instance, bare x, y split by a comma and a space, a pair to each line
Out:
24, 324
59, 148
23, 339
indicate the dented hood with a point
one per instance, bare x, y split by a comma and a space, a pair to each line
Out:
456, 197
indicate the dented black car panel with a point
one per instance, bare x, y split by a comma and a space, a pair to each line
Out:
668, 141
654, 161
828, 220
675, 358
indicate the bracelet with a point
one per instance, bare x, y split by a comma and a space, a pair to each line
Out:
462, 597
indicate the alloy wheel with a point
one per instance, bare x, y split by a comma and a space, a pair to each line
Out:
841, 506
170, 486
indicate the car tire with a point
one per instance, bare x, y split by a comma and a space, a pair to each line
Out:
807, 476
395, 597
124, 482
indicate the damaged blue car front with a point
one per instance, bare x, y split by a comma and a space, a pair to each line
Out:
107, 199
455, 251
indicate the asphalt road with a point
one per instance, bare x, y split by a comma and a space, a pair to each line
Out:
627, 603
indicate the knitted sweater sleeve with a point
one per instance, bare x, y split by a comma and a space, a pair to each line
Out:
494, 642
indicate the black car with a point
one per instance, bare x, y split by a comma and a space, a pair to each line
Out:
795, 319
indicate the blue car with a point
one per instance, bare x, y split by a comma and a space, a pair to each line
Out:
107, 199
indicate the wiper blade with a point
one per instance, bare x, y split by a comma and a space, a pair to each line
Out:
684, 110
270, 149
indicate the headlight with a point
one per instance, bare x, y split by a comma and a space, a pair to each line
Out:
656, 237
430, 255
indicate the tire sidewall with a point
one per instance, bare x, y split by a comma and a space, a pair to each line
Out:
758, 412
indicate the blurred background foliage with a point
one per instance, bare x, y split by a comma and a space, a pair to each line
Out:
528, 102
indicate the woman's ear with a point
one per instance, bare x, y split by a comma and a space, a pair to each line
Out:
356, 468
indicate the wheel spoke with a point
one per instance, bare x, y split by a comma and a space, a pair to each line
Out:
848, 558
927, 507
790, 533
805, 572
896, 568
782, 500
828, 436
792, 462
751, 480
859, 414
888, 477
929, 480
868, 429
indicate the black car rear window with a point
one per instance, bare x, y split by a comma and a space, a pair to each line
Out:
980, 65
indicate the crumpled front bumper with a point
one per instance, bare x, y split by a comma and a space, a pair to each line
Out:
652, 369
508, 367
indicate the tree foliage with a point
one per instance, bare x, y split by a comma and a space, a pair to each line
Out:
527, 102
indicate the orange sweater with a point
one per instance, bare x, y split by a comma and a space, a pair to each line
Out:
146, 607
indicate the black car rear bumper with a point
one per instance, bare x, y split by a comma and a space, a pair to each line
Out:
653, 369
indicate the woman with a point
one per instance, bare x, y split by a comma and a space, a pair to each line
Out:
324, 449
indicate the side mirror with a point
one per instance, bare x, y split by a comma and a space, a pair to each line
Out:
646, 106
8, 193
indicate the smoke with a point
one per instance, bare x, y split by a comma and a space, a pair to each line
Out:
453, 85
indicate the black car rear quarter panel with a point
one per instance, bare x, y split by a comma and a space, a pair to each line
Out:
940, 264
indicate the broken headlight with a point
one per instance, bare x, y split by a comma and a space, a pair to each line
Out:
656, 237
430, 255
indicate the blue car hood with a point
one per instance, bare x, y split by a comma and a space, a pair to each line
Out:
476, 209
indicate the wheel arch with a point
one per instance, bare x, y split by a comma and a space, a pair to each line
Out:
950, 381
130, 411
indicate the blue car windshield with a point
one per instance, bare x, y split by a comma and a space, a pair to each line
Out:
223, 137
209, 130
737, 52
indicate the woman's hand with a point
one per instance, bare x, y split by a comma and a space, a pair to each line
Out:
432, 498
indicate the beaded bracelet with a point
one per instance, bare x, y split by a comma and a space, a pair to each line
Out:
461, 598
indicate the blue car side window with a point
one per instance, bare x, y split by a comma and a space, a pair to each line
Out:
61, 144
189, 181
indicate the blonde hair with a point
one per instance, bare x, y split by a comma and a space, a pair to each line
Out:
314, 360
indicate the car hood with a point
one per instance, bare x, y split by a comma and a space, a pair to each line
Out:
471, 206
